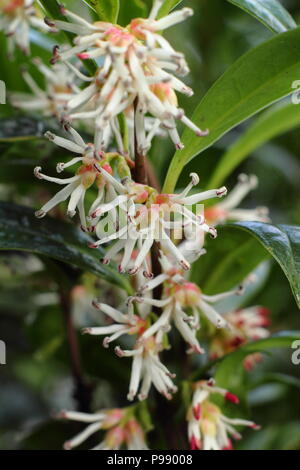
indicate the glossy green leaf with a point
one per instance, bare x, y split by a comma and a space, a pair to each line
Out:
144, 416
21, 230
233, 362
228, 261
138, 9
257, 79
108, 10
167, 7
272, 123
283, 243
277, 377
270, 12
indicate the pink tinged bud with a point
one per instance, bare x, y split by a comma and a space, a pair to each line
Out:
193, 293
237, 341
86, 331
95, 304
61, 415
121, 270
83, 56
37, 172
148, 275
60, 167
67, 445
55, 57
197, 411
221, 192
255, 426
63, 10
92, 245
195, 444
49, 22
195, 349
133, 271
113, 417
105, 342
229, 445
40, 214
119, 352
201, 133
107, 168
213, 232
232, 398
179, 146
264, 322
167, 395
115, 437
185, 265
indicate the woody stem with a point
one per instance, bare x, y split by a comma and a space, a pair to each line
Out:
143, 174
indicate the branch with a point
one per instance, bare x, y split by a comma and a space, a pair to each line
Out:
83, 391
140, 174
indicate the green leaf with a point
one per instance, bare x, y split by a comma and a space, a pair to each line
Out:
228, 261
270, 12
257, 79
138, 9
276, 121
230, 372
167, 7
108, 10
278, 377
144, 416
21, 230
283, 243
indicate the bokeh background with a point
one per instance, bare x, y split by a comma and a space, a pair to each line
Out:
37, 379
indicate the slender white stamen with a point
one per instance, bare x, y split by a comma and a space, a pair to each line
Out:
173, 18
82, 417
62, 142
213, 316
81, 437
155, 9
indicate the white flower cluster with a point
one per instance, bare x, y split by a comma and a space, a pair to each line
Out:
119, 425
208, 427
16, 18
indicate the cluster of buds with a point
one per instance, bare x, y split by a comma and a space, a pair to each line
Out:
208, 427
121, 429
248, 324
17, 16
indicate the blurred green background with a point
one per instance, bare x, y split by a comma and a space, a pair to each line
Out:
37, 379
